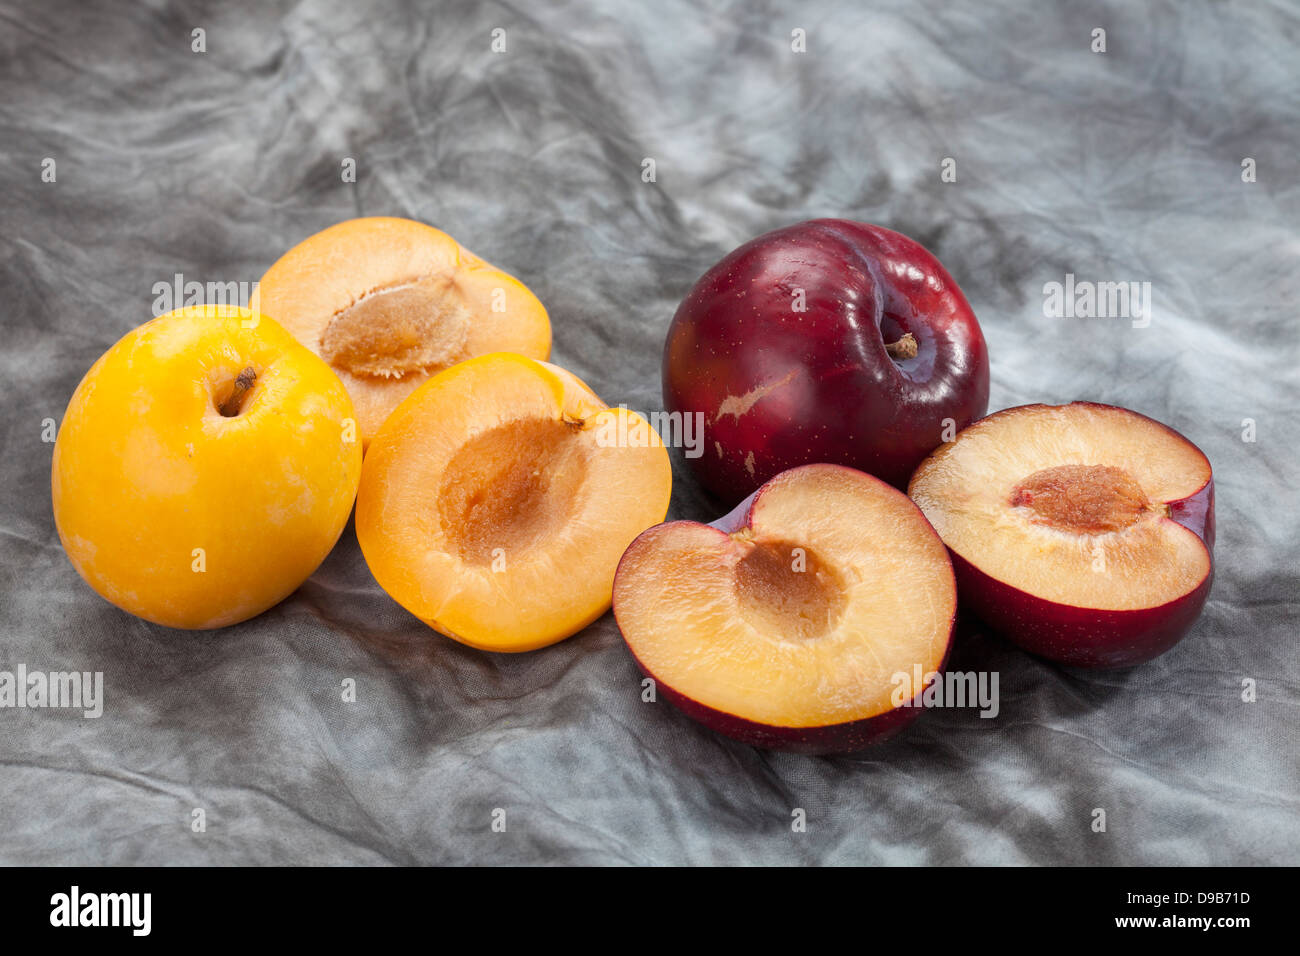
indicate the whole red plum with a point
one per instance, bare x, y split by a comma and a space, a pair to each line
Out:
826, 341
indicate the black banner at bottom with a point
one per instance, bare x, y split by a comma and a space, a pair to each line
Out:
333, 906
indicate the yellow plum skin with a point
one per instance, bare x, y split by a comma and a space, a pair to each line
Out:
187, 517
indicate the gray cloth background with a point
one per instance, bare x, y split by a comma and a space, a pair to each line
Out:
1116, 166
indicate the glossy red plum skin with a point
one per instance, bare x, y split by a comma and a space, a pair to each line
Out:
779, 387
1075, 636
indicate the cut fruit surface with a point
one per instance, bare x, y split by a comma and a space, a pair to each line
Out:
494, 507
1077, 515
787, 623
389, 302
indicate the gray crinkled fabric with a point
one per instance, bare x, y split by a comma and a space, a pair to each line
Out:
1123, 165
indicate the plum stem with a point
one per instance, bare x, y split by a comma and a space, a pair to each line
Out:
230, 407
904, 348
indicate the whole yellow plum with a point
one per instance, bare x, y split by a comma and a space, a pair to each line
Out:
206, 465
